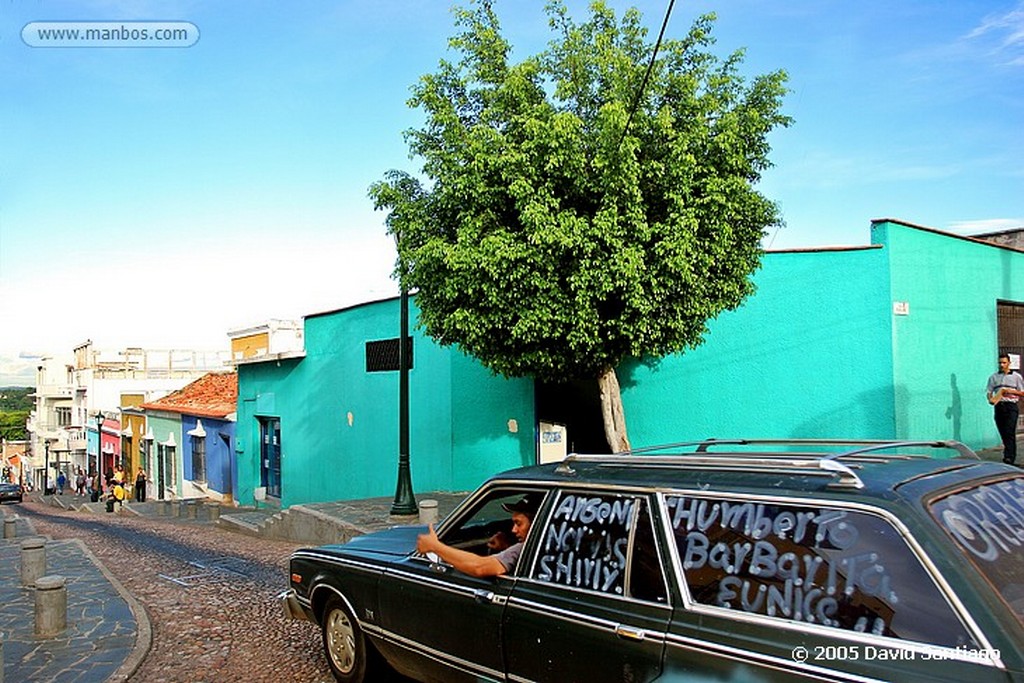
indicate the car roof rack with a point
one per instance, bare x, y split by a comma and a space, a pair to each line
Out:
853, 451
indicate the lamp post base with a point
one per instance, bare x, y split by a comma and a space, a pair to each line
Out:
405, 502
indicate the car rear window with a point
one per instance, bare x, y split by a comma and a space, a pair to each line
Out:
987, 524
845, 568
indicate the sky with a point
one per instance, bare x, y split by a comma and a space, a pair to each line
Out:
160, 197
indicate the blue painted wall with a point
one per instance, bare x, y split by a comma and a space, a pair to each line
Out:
220, 440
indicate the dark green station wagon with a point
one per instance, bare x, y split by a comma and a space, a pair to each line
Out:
712, 561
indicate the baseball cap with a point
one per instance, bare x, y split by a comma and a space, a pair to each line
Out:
526, 505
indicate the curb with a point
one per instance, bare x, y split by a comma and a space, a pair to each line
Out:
143, 631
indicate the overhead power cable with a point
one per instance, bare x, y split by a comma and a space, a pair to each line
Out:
647, 74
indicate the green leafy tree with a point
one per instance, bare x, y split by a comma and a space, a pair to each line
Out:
12, 425
587, 204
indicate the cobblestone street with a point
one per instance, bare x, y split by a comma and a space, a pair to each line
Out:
214, 616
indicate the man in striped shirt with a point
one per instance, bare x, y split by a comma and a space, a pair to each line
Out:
1005, 388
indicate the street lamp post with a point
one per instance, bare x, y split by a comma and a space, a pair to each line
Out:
99, 441
46, 467
405, 502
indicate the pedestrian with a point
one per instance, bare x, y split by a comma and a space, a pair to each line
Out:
1004, 390
140, 486
97, 487
80, 483
61, 481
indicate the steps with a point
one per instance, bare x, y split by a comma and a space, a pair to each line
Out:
297, 524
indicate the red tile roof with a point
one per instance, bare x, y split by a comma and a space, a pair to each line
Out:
212, 395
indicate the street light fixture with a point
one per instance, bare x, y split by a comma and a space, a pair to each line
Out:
99, 441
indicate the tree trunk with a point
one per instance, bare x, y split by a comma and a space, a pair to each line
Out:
612, 411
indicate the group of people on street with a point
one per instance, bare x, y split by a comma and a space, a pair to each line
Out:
113, 483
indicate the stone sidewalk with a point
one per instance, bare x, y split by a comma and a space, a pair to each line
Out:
107, 634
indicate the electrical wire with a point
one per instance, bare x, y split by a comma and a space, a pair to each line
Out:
647, 74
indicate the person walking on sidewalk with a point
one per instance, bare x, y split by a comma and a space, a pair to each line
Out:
62, 480
80, 483
1004, 390
97, 487
140, 486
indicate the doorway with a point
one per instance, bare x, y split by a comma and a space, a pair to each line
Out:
577, 406
1010, 335
270, 456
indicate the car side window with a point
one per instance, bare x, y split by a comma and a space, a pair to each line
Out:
839, 567
487, 529
585, 544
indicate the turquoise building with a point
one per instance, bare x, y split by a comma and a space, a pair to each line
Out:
324, 425
894, 339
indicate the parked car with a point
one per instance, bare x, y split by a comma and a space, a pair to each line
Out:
10, 492
714, 561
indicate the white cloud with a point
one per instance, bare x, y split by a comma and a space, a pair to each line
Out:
1002, 35
18, 372
986, 225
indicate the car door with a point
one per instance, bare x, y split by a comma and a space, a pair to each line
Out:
591, 602
791, 589
446, 625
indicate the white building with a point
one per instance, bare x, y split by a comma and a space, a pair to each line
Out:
72, 389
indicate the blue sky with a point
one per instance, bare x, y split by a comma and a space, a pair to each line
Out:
159, 197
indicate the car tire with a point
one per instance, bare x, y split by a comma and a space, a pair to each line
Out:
344, 644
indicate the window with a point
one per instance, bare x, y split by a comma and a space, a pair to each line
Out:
63, 417
487, 519
813, 564
987, 524
169, 466
382, 356
601, 542
199, 459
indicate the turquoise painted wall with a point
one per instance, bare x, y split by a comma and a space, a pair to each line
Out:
163, 427
808, 355
492, 416
945, 348
339, 423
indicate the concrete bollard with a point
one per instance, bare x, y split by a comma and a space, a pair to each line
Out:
190, 509
51, 605
33, 560
428, 511
10, 531
212, 511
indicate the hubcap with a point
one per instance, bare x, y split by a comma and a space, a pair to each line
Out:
341, 641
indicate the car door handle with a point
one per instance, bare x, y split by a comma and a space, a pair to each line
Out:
629, 633
483, 595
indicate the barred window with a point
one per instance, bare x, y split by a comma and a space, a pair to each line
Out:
382, 355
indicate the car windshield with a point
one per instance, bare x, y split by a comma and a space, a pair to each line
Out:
987, 523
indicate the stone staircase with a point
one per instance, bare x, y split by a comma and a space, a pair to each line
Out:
298, 524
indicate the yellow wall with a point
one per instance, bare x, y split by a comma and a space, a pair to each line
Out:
248, 347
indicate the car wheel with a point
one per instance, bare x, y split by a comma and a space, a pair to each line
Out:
344, 644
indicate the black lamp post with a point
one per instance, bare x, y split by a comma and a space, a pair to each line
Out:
405, 502
99, 441
46, 467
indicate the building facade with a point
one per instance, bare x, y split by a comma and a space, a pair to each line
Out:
324, 425
892, 341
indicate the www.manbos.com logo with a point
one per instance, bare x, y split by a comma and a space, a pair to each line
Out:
110, 34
